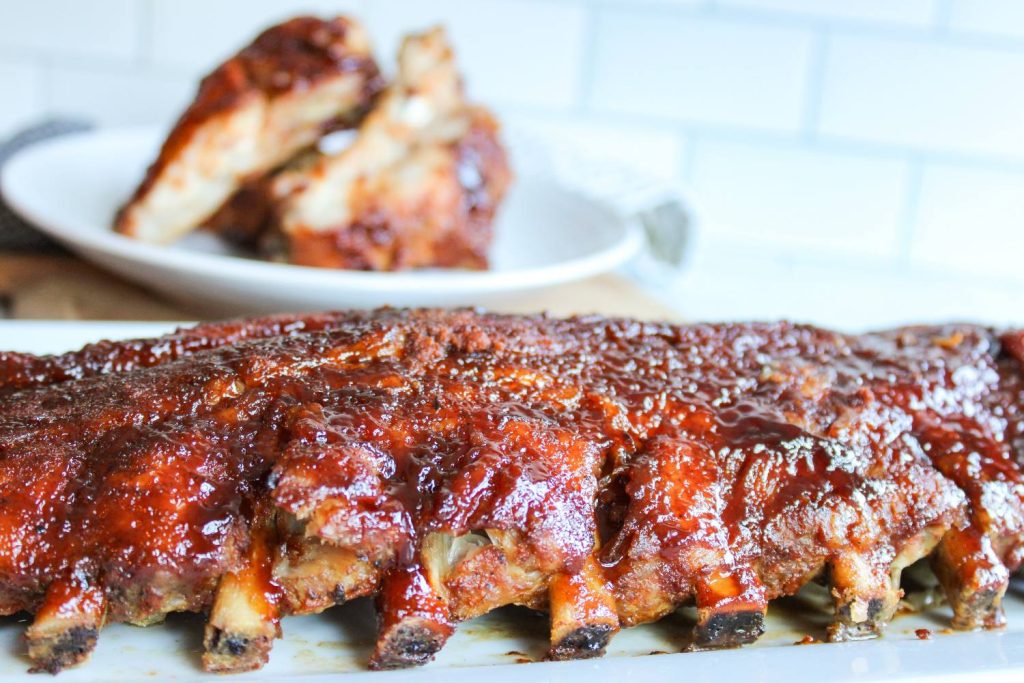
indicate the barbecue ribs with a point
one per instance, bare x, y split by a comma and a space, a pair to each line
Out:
275, 98
448, 463
418, 187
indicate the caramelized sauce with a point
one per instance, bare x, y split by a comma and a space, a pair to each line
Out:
738, 449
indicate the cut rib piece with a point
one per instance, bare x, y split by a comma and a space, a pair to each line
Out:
276, 97
418, 187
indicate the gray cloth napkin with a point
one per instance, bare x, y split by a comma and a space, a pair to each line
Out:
15, 233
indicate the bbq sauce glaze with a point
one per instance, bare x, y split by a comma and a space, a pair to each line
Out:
732, 461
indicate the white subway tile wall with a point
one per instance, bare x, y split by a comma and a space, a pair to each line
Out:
699, 71
654, 151
98, 94
1005, 17
22, 85
875, 136
514, 52
792, 198
922, 95
978, 210
910, 12
54, 29
194, 34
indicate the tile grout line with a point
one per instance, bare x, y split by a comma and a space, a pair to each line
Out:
830, 144
46, 67
815, 85
587, 74
844, 147
40, 87
942, 16
927, 32
144, 32
688, 164
910, 212
833, 259
93, 63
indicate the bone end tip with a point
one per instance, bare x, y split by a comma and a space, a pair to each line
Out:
582, 643
66, 626
233, 653
860, 620
980, 610
412, 643
729, 629
53, 652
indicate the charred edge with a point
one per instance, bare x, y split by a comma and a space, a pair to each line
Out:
973, 579
229, 652
408, 644
846, 628
729, 629
981, 609
51, 654
582, 643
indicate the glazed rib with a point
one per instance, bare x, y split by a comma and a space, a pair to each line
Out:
448, 463
418, 187
21, 370
278, 96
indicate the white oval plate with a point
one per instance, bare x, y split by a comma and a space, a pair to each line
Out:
70, 188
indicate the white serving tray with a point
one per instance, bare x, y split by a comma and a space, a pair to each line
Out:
496, 647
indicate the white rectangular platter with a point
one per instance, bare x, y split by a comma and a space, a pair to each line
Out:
507, 646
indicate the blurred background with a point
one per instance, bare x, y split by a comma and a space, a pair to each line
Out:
855, 162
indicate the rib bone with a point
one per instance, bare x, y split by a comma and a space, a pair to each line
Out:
245, 618
67, 625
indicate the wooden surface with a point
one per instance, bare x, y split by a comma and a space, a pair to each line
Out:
63, 287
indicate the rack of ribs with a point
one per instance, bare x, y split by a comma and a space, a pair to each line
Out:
275, 98
606, 471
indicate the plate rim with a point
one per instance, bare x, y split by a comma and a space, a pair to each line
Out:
109, 244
